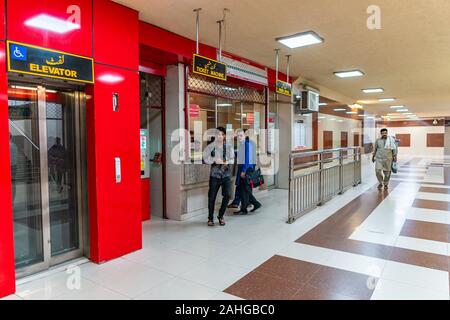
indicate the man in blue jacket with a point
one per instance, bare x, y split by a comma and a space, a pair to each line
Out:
246, 157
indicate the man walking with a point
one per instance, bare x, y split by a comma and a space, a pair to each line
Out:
384, 154
219, 155
246, 162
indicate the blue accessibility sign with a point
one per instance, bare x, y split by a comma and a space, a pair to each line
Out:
18, 52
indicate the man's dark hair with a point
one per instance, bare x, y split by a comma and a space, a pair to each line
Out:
222, 129
384, 130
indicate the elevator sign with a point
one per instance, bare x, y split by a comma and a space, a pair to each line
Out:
209, 67
27, 59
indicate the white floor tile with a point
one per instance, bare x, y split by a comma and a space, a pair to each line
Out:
435, 280
125, 277
48, 288
433, 196
429, 215
173, 261
225, 296
12, 297
215, 275
423, 245
178, 289
392, 290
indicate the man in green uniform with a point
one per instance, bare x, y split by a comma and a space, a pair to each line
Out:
384, 154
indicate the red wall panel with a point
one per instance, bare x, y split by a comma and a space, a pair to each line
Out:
163, 40
114, 208
78, 41
2, 20
116, 40
7, 276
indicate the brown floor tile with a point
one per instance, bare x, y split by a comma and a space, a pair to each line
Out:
343, 282
431, 204
261, 286
309, 292
435, 190
419, 258
289, 269
426, 230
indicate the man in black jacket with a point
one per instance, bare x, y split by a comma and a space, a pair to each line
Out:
220, 155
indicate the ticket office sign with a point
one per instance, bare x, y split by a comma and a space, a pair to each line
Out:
284, 88
209, 67
28, 59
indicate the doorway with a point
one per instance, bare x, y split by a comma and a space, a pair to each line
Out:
152, 122
48, 169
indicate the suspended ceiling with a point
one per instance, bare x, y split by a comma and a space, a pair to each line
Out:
409, 56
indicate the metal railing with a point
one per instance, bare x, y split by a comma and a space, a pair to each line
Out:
316, 177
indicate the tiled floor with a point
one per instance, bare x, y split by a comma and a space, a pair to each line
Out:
365, 244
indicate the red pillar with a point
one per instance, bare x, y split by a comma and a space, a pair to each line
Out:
7, 271
114, 208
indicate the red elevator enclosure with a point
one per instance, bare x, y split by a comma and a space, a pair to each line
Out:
108, 33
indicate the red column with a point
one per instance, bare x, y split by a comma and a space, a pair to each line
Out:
114, 207
7, 271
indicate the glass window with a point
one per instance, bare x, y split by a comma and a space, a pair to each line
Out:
202, 116
229, 114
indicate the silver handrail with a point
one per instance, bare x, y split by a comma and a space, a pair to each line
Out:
11, 123
320, 176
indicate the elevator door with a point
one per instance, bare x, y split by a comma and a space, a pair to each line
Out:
45, 167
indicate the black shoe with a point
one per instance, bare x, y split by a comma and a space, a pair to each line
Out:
210, 223
256, 207
221, 222
240, 213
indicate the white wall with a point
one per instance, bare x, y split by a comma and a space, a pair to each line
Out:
418, 140
337, 125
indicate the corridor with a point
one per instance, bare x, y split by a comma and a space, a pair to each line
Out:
364, 244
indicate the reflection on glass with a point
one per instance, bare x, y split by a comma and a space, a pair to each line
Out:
25, 170
62, 186
202, 116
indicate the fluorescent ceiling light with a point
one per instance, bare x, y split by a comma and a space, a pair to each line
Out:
110, 78
340, 120
50, 91
332, 119
397, 107
323, 104
224, 105
321, 117
356, 106
349, 74
24, 88
386, 99
339, 109
302, 39
402, 110
373, 90
50, 23
351, 112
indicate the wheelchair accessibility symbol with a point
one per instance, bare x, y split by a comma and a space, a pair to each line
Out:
18, 53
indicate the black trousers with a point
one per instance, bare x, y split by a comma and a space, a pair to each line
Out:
247, 197
214, 185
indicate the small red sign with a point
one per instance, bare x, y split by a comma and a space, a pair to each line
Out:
194, 110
